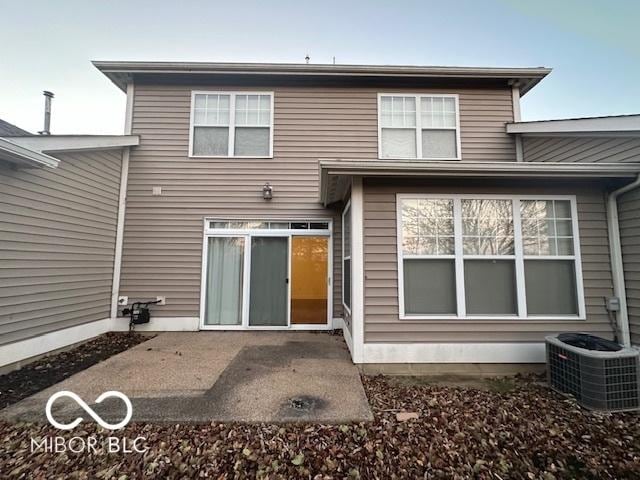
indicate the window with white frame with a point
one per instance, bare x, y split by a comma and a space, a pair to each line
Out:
502, 256
419, 126
227, 124
346, 257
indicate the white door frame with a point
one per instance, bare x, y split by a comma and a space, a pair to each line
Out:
248, 234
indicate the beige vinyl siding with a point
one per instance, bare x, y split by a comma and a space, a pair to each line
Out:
57, 243
163, 234
629, 214
581, 149
382, 323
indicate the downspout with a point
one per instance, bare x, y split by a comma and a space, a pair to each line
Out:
515, 103
122, 202
617, 266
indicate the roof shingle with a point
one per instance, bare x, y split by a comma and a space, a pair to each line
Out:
9, 130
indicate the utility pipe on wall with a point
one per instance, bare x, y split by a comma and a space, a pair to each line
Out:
617, 266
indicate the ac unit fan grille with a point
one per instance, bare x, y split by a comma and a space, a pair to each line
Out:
598, 383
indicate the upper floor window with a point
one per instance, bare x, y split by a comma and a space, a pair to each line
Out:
231, 124
418, 126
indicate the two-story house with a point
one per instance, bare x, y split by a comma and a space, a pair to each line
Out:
408, 206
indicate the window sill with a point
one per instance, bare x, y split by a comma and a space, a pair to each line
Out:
413, 159
495, 318
226, 157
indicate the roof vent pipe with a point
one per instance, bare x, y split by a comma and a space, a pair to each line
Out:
47, 113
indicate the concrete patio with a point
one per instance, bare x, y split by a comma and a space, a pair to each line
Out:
218, 376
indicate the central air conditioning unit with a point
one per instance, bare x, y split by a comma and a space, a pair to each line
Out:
599, 373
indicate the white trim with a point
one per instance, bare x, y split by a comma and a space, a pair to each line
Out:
128, 113
454, 353
337, 323
348, 340
41, 344
333, 172
515, 101
122, 205
75, 143
521, 291
418, 128
461, 306
20, 155
159, 324
617, 265
357, 268
344, 212
519, 148
612, 124
232, 125
519, 258
248, 235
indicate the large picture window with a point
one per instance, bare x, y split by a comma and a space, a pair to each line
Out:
228, 124
465, 256
419, 126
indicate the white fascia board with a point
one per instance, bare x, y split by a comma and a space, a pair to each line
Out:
122, 72
20, 155
332, 170
72, 143
482, 169
612, 125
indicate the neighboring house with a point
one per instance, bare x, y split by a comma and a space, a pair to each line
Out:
408, 206
59, 198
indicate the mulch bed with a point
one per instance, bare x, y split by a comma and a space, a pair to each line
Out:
519, 430
49, 370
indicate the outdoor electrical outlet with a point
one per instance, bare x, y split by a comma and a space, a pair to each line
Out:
123, 300
161, 301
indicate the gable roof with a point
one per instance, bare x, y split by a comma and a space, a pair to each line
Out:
121, 73
10, 130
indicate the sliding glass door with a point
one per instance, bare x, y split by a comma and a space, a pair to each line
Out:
266, 275
269, 282
225, 281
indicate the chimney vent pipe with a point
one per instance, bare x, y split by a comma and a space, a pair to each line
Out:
47, 113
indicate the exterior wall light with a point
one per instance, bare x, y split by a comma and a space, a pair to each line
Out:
267, 191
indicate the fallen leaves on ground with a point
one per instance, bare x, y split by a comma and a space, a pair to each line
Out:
51, 369
527, 432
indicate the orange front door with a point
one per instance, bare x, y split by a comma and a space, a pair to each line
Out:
309, 279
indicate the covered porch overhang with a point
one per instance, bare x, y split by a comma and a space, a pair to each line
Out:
336, 174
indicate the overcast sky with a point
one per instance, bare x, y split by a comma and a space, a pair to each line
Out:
593, 46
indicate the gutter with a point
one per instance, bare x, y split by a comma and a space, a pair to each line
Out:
20, 155
615, 252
